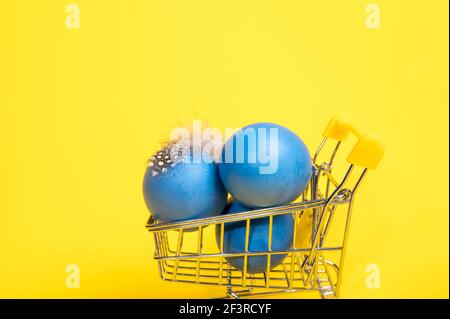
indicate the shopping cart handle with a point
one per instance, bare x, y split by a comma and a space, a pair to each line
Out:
368, 151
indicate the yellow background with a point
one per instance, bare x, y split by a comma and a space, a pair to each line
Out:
82, 109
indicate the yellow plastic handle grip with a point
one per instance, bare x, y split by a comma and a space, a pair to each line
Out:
368, 151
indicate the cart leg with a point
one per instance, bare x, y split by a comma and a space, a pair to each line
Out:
231, 293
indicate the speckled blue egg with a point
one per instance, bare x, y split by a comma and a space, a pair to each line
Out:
265, 182
178, 190
234, 239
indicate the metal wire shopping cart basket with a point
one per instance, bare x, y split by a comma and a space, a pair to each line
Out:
316, 258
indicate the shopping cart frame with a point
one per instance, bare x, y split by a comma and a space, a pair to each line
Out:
305, 268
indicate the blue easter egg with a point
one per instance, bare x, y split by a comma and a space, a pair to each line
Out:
264, 165
234, 238
178, 189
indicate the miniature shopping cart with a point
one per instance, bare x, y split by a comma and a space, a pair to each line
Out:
322, 221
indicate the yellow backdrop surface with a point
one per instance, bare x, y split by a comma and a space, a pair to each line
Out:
81, 110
